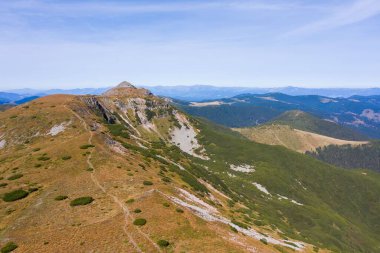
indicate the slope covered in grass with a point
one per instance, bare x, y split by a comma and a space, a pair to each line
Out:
307, 122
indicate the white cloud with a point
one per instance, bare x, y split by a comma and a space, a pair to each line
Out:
357, 11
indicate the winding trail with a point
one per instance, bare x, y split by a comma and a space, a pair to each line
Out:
124, 208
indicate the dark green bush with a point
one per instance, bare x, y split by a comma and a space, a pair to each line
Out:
137, 210
3, 184
15, 195
81, 201
37, 165
60, 197
118, 130
233, 229
66, 157
9, 247
179, 210
86, 146
166, 179
163, 243
36, 149
15, 176
264, 241
139, 222
147, 183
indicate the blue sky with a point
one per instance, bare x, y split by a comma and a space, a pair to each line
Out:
260, 43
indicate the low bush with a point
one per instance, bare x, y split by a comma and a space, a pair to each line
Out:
130, 201
15, 176
139, 222
179, 210
60, 197
137, 210
86, 146
15, 195
66, 157
163, 243
147, 183
81, 201
37, 165
33, 189
36, 149
43, 158
264, 241
9, 247
3, 184
166, 204
233, 229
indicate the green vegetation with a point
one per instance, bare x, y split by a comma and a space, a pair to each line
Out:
366, 156
137, 210
118, 130
179, 210
233, 229
3, 184
166, 204
264, 241
163, 243
81, 201
43, 158
15, 176
139, 222
307, 122
15, 195
130, 201
9, 247
147, 183
66, 157
334, 200
87, 146
60, 197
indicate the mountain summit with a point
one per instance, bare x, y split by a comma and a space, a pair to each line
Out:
127, 89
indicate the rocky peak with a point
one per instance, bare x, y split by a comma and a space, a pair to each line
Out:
126, 89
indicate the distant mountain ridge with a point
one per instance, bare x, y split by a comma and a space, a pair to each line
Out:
205, 92
359, 113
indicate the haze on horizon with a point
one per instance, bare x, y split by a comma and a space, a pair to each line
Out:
80, 43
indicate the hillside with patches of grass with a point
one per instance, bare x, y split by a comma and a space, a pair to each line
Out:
127, 171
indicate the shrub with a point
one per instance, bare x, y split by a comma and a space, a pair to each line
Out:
166, 204
233, 229
137, 210
66, 157
81, 201
15, 195
166, 179
147, 183
43, 158
9, 247
139, 222
264, 241
60, 197
15, 176
130, 201
179, 210
3, 184
163, 243
36, 149
37, 165
89, 169
86, 146
13, 117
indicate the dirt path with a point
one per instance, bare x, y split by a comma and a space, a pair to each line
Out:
124, 208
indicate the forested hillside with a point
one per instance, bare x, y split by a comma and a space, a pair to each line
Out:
363, 156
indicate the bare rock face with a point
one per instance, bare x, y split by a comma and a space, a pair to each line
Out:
126, 89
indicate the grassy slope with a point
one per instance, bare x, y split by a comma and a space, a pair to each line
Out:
291, 138
307, 122
341, 208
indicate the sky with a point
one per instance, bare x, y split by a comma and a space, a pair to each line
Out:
257, 43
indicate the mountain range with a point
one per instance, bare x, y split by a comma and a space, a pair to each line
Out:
127, 171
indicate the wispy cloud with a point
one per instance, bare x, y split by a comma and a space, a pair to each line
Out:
111, 7
357, 11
